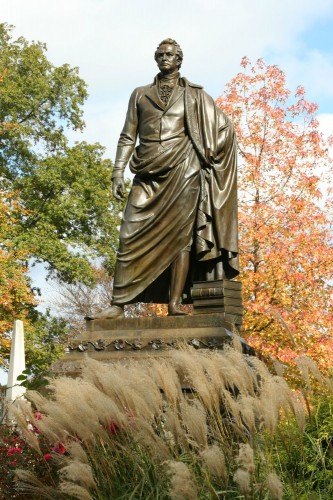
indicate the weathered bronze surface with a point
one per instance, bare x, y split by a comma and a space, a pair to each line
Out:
223, 296
180, 222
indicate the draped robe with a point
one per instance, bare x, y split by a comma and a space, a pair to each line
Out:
184, 193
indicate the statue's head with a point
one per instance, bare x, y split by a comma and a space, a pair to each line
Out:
169, 46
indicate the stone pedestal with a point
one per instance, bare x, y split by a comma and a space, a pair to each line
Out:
134, 338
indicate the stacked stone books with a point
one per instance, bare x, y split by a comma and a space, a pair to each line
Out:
223, 296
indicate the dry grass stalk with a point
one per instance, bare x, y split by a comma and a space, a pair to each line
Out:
166, 378
182, 483
260, 370
22, 407
243, 479
189, 367
50, 428
274, 486
76, 452
299, 411
194, 419
79, 473
231, 408
306, 367
75, 491
20, 412
241, 373
130, 397
275, 395
267, 411
73, 401
172, 425
64, 418
27, 482
143, 433
214, 459
236, 343
279, 368
246, 408
211, 364
245, 458
130, 387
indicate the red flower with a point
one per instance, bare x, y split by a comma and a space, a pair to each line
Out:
48, 456
113, 428
59, 448
38, 415
11, 451
13, 463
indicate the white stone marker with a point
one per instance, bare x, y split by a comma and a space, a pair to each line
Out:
16, 362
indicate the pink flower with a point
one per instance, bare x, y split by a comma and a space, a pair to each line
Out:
48, 456
11, 451
38, 415
13, 463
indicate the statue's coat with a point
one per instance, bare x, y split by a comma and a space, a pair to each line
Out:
184, 192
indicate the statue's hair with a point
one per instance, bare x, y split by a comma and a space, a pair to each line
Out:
170, 41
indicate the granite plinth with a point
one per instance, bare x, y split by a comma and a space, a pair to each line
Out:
132, 338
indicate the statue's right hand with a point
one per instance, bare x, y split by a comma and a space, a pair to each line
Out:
118, 188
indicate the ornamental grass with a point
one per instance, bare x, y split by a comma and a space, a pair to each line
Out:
197, 424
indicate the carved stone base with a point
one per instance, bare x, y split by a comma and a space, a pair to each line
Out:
133, 338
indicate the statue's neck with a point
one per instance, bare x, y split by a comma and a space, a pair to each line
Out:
168, 77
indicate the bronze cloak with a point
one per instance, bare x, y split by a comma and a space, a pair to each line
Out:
184, 193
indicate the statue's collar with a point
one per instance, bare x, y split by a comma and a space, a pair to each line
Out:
183, 82
160, 77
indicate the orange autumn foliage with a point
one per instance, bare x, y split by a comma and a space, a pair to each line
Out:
285, 215
15, 293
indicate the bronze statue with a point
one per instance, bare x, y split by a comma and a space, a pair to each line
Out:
180, 222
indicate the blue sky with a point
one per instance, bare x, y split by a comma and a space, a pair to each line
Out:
113, 41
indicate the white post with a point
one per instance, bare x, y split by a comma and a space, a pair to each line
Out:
16, 362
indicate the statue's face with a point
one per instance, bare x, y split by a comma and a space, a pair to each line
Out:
167, 59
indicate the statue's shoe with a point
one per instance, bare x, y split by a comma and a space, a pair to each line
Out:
113, 312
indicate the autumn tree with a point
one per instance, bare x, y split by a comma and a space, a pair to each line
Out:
16, 299
285, 214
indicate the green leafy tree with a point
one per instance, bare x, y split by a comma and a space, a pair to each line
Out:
56, 205
45, 341
70, 216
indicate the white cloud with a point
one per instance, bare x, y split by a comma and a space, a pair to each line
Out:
113, 42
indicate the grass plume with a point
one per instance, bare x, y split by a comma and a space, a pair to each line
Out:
195, 424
